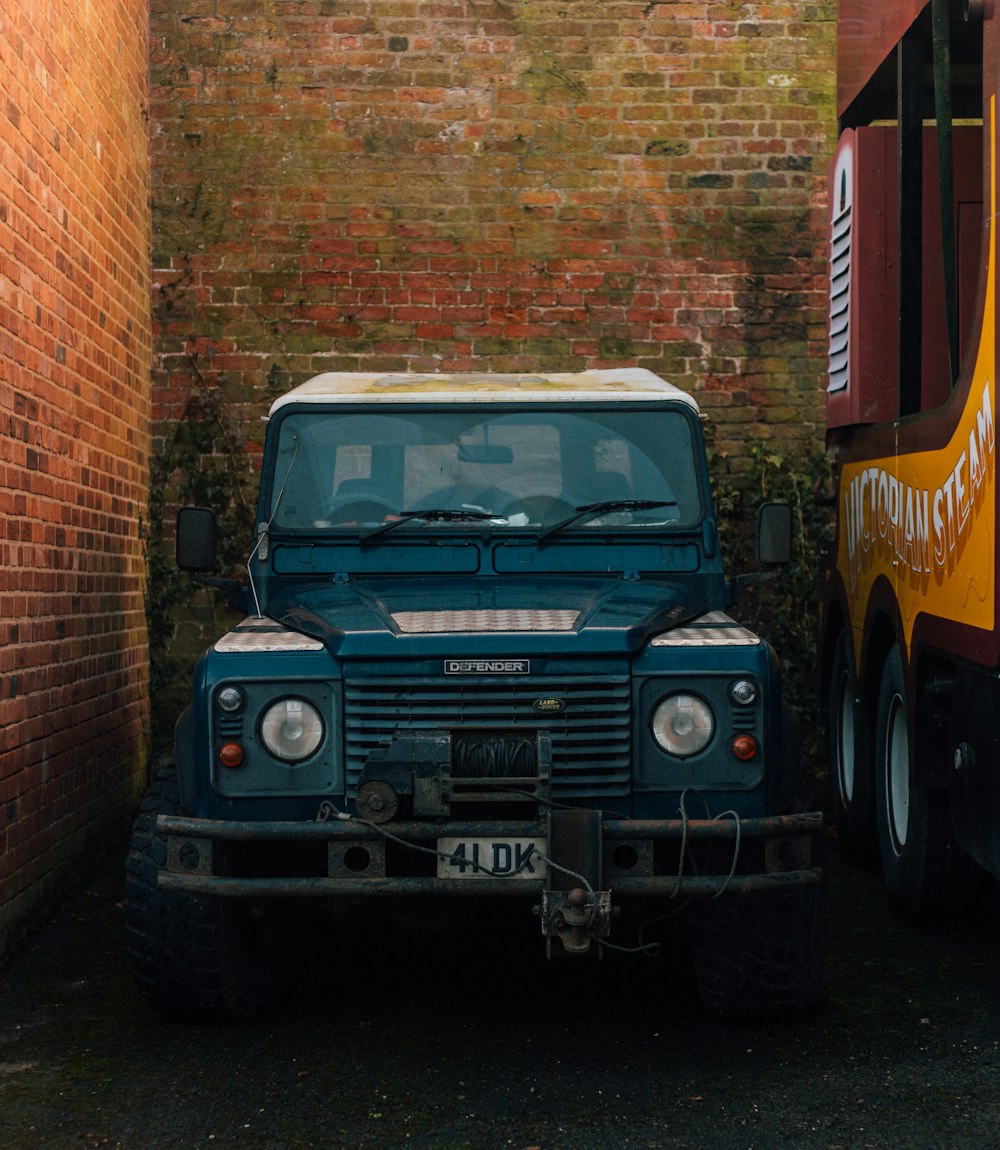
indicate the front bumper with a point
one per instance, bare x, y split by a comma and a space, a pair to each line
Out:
619, 855
594, 864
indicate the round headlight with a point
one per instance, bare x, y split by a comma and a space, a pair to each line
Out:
291, 729
683, 725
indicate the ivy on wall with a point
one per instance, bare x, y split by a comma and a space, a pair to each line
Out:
782, 609
202, 461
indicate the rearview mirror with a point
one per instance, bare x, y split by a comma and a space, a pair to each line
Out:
485, 453
197, 539
774, 533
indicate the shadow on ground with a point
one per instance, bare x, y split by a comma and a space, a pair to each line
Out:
446, 1043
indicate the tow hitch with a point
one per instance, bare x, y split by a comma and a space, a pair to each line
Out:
574, 909
575, 918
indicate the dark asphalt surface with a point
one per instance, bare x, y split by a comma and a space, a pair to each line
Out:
433, 1043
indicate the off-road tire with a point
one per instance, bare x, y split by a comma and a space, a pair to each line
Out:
759, 956
194, 957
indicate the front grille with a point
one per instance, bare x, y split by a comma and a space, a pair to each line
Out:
591, 751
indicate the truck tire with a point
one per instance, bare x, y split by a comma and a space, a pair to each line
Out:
849, 759
194, 957
759, 956
924, 871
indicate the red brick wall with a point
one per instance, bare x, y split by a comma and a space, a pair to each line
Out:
501, 184
74, 431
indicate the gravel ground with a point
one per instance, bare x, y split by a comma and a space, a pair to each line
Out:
436, 1043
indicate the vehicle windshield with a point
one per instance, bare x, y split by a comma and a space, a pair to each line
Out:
360, 470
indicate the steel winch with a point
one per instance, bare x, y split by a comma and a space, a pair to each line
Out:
425, 773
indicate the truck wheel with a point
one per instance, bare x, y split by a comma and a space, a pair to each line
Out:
925, 873
759, 956
193, 956
849, 760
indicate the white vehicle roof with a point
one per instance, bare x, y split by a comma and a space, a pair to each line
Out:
629, 383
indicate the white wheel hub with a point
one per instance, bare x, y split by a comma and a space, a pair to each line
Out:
845, 739
897, 773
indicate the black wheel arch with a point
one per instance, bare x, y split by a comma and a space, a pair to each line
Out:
834, 624
184, 758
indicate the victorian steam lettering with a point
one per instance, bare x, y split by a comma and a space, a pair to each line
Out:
902, 522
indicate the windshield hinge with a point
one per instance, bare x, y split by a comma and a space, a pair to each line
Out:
631, 576
342, 577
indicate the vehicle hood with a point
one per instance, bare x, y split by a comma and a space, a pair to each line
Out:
379, 616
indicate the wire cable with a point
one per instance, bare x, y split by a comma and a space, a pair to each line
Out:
328, 810
736, 851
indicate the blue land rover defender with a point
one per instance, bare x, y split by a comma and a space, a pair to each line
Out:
487, 656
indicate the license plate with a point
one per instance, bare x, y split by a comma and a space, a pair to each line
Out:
491, 858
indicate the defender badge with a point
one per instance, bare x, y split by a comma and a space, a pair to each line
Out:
487, 666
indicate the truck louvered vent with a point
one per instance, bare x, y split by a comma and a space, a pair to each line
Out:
590, 735
840, 284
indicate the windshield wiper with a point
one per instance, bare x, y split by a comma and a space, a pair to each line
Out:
593, 510
431, 514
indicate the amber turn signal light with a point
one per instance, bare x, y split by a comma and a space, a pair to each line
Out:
231, 755
744, 747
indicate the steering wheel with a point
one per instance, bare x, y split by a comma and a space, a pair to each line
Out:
486, 499
363, 511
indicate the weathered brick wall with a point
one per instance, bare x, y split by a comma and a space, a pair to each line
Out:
494, 184
480, 184
75, 350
